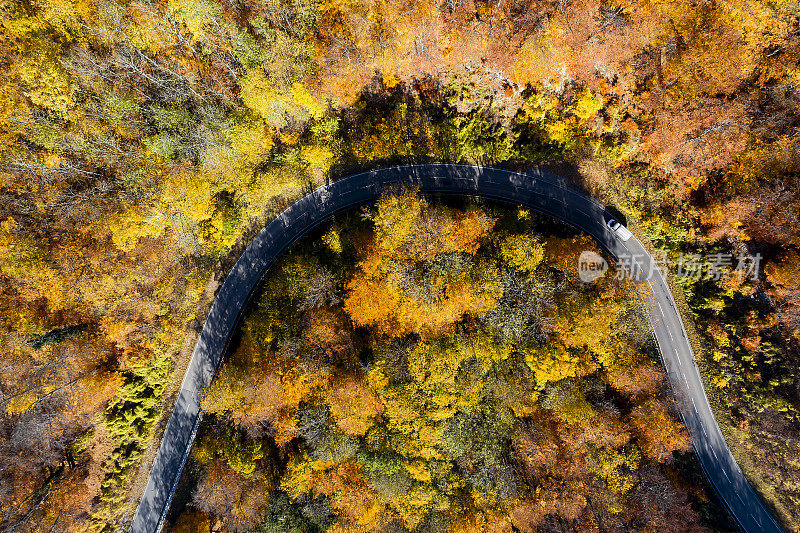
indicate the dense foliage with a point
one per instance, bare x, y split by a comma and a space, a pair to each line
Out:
440, 369
141, 140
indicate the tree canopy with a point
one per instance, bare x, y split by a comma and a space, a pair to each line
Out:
143, 142
424, 392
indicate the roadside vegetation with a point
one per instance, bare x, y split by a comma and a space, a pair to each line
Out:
142, 142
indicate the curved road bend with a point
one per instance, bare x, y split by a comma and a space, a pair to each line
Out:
537, 189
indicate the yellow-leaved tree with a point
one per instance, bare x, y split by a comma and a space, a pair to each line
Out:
418, 275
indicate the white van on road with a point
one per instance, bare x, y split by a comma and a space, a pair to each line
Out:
622, 232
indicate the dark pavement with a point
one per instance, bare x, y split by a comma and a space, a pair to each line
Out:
537, 189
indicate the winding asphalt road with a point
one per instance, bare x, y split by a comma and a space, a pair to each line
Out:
536, 189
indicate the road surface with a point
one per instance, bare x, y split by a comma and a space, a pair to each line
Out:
536, 189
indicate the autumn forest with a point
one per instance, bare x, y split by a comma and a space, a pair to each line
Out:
426, 368
418, 365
